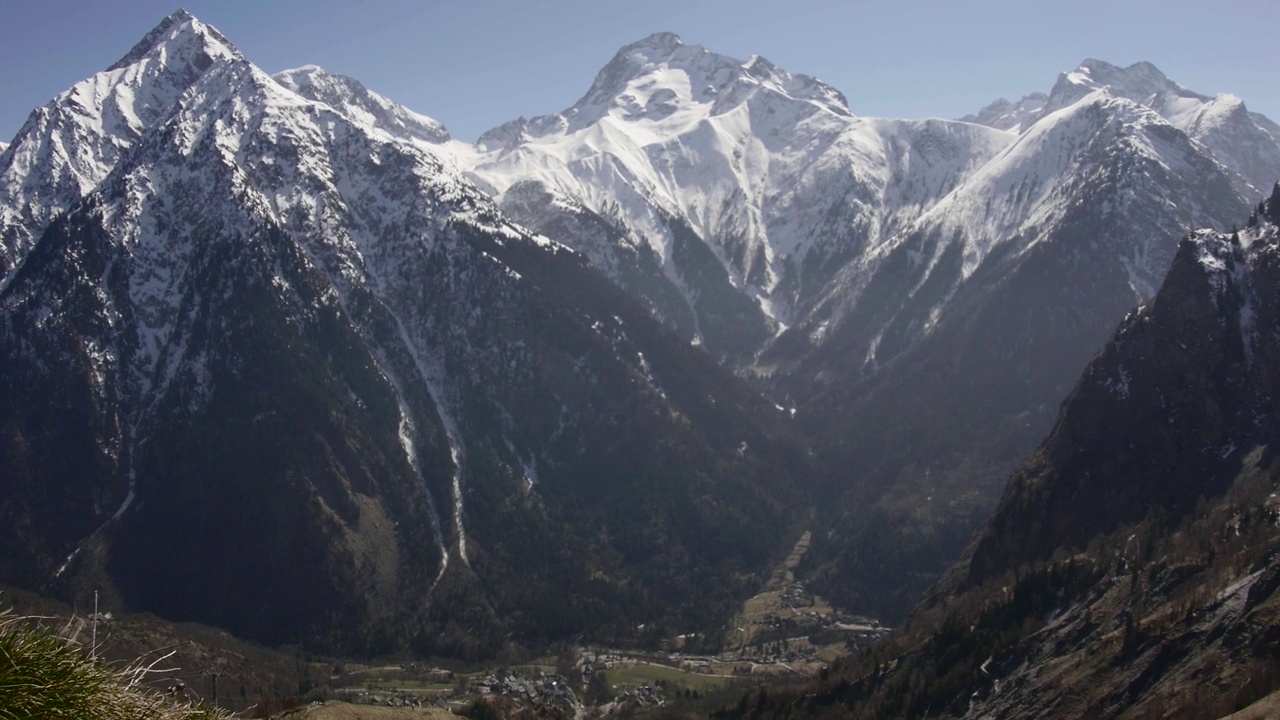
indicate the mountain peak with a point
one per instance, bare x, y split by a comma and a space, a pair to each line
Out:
662, 42
1138, 77
1104, 66
1237, 138
171, 31
1140, 82
101, 117
662, 66
1012, 117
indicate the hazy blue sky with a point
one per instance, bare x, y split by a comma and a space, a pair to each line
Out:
475, 63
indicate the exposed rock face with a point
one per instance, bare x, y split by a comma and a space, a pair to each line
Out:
1194, 376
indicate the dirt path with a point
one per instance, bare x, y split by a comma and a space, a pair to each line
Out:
787, 573
750, 621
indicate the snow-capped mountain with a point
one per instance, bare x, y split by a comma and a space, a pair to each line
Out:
270, 365
1244, 142
1095, 151
1087, 151
1097, 121
69, 145
767, 205
1082, 146
968, 331
748, 185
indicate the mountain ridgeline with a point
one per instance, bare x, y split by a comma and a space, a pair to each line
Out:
281, 355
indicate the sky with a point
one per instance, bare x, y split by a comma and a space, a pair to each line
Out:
474, 64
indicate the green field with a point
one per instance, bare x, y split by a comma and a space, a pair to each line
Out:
414, 685
641, 673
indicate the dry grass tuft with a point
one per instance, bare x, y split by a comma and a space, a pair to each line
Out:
44, 675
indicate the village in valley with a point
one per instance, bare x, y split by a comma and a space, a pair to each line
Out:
783, 631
